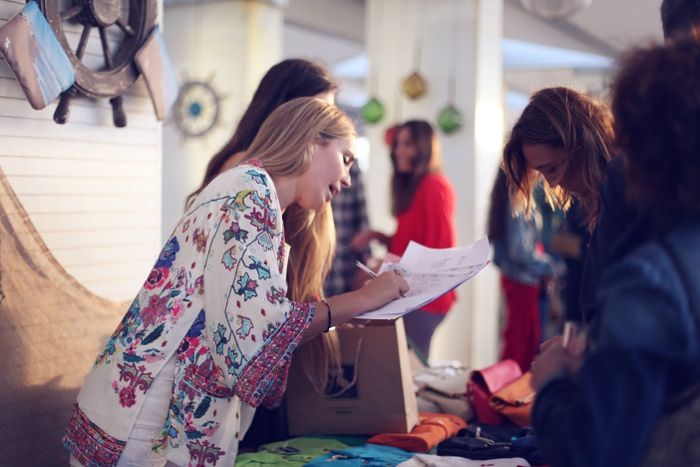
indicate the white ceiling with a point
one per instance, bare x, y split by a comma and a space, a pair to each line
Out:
621, 23
332, 31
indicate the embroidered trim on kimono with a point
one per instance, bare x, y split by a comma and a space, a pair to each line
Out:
260, 382
216, 300
88, 443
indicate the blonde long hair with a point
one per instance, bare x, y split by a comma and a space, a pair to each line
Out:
284, 146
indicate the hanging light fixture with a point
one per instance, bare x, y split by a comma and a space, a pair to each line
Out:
555, 9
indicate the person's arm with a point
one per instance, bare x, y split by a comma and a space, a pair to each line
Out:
605, 415
254, 327
382, 289
361, 241
521, 247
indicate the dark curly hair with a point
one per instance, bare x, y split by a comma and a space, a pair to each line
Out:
656, 103
679, 17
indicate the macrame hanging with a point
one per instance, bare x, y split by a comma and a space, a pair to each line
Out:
373, 110
397, 115
415, 86
450, 118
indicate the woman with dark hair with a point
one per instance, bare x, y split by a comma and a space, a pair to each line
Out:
423, 201
634, 399
567, 138
515, 239
291, 78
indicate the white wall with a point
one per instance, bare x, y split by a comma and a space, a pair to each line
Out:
469, 159
230, 44
92, 190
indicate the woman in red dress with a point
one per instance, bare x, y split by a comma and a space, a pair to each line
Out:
422, 200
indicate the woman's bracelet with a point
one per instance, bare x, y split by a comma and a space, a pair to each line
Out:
325, 302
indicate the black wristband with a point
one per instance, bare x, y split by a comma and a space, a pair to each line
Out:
325, 302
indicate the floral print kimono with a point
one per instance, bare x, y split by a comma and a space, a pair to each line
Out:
215, 301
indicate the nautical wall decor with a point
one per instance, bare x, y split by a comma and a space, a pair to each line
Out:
51, 53
450, 119
35, 57
197, 110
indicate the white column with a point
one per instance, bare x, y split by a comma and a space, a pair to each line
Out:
470, 31
231, 44
488, 139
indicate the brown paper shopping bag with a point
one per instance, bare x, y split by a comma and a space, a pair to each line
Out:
379, 398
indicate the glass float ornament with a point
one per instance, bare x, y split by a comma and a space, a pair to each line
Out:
414, 86
373, 110
450, 119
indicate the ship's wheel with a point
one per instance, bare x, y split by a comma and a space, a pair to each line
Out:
104, 67
197, 110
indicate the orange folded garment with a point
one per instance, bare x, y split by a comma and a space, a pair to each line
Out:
431, 429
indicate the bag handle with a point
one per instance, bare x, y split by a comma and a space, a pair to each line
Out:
355, 372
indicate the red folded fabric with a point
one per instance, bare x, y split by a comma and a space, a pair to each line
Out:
431, 429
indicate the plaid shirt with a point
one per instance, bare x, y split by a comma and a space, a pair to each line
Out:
350, 216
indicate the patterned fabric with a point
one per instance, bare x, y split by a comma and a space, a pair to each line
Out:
216, 299
350, 216
91, 445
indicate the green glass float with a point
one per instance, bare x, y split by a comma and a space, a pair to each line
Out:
372, 111
414, 86
450, 119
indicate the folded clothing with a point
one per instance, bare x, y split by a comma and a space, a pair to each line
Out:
482, 442
431, 429
292, 452
437, 402
427, 460
450, 381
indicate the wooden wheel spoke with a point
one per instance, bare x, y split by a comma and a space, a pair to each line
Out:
84, 37
125, 27
72, 12
105, 48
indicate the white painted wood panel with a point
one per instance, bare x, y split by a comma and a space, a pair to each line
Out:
92, 190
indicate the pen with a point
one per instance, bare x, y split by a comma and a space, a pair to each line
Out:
372, 273
569, 333
365, 269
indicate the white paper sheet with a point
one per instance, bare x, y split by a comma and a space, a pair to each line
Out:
431, 273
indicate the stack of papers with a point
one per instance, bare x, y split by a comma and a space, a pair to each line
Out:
431, 273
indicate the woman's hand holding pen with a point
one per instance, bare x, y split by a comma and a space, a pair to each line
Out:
382, 289
558, 354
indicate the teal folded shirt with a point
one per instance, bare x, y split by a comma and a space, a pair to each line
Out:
369, 455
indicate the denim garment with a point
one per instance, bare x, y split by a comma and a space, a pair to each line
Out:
644, 349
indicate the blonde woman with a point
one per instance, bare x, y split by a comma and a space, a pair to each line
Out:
210, 335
